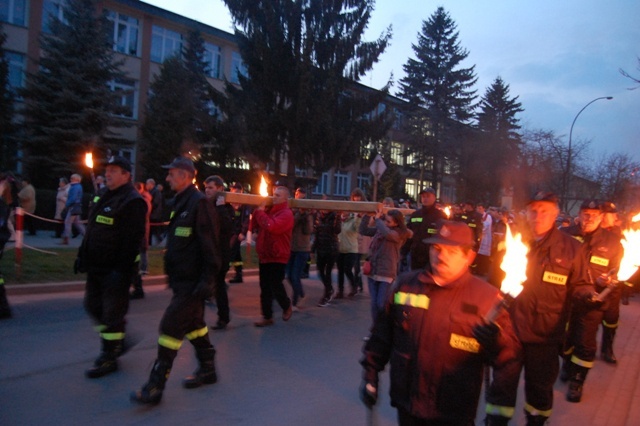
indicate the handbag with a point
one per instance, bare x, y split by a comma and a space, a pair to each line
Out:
366, 267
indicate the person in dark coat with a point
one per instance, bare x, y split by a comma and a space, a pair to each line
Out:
114, 233
192, 262
433, 334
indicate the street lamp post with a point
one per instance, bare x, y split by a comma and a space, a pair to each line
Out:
568, 174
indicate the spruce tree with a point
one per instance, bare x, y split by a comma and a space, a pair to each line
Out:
7, 143
439, 92
499, 147
178, 118
69, 106
300, 98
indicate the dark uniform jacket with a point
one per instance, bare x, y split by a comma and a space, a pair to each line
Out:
474, 220
601, 249
193, 256
425, 333
556, 276
423, 224
115, 230
241, 218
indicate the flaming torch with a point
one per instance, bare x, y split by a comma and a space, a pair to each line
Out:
88, 160
629, 263
263, 187
514, 265
447, 211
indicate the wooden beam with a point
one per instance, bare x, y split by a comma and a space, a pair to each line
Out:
333, 205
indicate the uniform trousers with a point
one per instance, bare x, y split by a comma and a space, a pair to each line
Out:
541, 366
184, 317
222, 298
106, 299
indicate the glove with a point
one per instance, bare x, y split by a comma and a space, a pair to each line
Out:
603, 280
369, 394
202, 290
487, 336
591, 301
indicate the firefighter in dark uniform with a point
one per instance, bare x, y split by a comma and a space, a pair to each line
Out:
192, 262
423, 224
115, 229
214, 189
602, 251
474, 219
240, 224
556, 277
433, 334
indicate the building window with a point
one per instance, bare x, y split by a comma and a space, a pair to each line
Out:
128, 93
322, 187
16, 70
411, 187
237, 67
213, 59
164, 44
341, 184
398, 119
52, 9
364, 180
124, 33
13, 12
397, 156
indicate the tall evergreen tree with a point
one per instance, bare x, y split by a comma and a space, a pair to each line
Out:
179, 118
439, 92
497, 151
69, 104
299, 97
7, 143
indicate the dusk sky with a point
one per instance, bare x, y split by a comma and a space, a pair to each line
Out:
555, 55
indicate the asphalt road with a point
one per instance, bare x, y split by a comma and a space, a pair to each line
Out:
303, 372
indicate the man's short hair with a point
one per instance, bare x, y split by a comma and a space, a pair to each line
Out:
217, 180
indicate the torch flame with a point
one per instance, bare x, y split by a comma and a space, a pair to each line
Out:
263, 187
514, 264
447, 211
88, 160
636, 218
630, 261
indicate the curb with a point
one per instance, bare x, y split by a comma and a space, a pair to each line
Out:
70, 286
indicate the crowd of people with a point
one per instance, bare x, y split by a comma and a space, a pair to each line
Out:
433, 275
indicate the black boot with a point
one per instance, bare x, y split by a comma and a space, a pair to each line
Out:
237, 279
107, 361
535, 420
5, 310
138, 292
574, 394
151, 393
606, 350
205, 374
